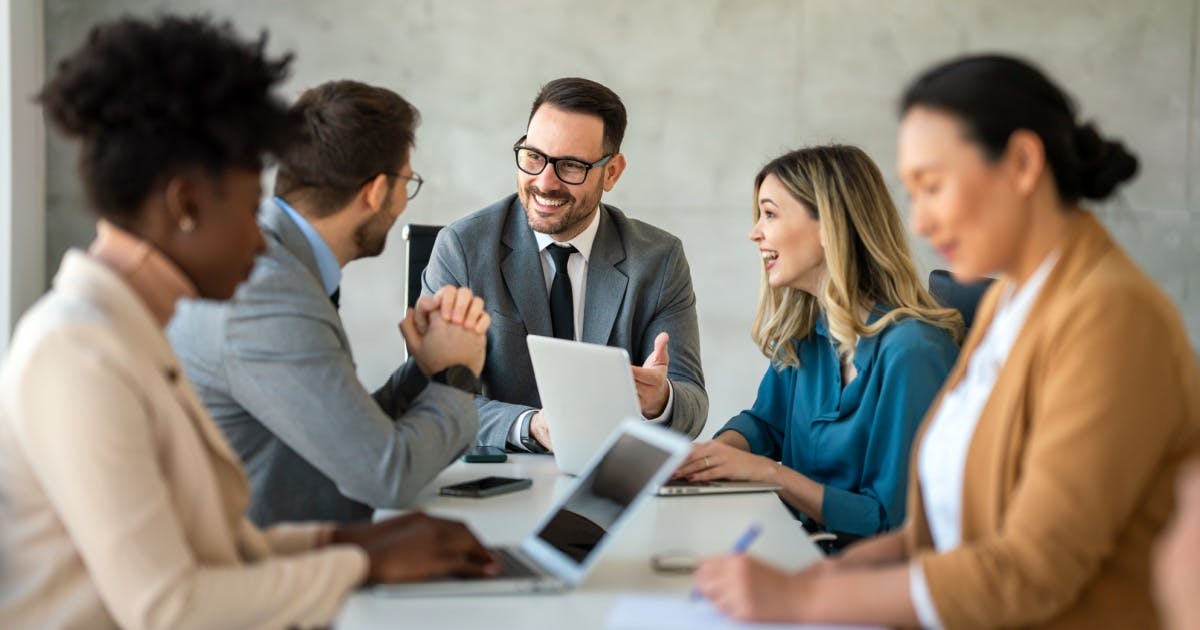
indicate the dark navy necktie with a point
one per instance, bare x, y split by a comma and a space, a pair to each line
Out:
336, 298
562, 307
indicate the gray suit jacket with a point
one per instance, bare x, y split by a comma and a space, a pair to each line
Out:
638, 285
274, 368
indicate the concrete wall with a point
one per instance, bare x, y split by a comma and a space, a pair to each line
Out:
714, 89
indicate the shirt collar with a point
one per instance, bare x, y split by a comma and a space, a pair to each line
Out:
821, 326
582, 243
864, 349
1015, 305
151, 275
327, 264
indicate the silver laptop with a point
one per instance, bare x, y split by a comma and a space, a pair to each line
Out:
586, 390
680, 487
570, 538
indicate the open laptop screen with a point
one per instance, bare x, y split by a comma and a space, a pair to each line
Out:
586, 516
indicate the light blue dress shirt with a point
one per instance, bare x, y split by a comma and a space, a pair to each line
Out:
327, 264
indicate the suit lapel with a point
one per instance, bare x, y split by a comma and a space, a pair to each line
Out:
994, 439
605, 282
522, 271
135, 322
280, 228
232, 483
1003, 429
208, 429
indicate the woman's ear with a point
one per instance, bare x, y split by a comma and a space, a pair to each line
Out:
181, 203
1026, 160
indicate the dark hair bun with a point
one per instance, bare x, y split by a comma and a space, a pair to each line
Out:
996, 95
1103, 164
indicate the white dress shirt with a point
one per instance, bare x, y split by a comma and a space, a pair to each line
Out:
577, 266
943, 453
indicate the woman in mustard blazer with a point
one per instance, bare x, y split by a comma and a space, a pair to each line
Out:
1044, 469
121, 504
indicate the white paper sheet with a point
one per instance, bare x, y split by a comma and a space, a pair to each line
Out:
659, 612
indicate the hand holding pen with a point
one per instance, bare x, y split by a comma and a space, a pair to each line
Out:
748, 589
739, 547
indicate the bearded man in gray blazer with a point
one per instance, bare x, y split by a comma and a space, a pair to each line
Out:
553, 260
274, 366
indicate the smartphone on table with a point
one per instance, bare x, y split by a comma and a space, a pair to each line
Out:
480, 454
486, 487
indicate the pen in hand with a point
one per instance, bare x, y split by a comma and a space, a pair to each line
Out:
743, 543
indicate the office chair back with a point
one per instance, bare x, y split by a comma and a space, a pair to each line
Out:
961, 296
418, 247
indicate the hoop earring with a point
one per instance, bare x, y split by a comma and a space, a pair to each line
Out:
187, 225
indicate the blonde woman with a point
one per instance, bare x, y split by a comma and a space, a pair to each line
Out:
1045, 469
858, 347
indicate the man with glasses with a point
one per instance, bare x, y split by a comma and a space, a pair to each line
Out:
274, 367
552, 260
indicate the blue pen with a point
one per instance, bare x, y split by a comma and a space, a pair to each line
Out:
743, 543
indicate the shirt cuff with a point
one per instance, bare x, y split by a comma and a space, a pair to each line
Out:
514, 432
664, 418
288, 538
847, 512
922, 601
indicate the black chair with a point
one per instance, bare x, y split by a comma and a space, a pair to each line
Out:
961, 296
418, 247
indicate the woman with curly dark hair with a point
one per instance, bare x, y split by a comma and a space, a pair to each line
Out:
121, 503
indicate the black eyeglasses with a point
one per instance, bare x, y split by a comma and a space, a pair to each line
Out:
569, 170
412, 183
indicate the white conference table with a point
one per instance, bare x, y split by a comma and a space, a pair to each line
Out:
696, 525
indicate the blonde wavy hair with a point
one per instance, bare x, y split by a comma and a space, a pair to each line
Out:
866, 253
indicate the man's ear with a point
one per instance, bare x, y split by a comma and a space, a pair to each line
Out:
1025, 157
613, 170
374, 192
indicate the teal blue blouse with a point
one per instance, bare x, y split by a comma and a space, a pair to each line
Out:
854, 441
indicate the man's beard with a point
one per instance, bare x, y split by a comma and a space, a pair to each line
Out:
579, 210
371, 237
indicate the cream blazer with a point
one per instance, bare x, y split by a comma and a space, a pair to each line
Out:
1070, 471
120, 502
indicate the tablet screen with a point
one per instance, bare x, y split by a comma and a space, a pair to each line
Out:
605, 494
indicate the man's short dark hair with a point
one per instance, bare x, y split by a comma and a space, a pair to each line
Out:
352, 133
583, 96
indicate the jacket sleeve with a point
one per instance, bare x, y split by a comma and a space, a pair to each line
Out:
94, 452
448, 266
288, 369
676, 316
911, 371
402, 388
1104, 409
764, 424
286, 538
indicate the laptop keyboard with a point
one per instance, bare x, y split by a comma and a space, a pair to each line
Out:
512, 566
683, 483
